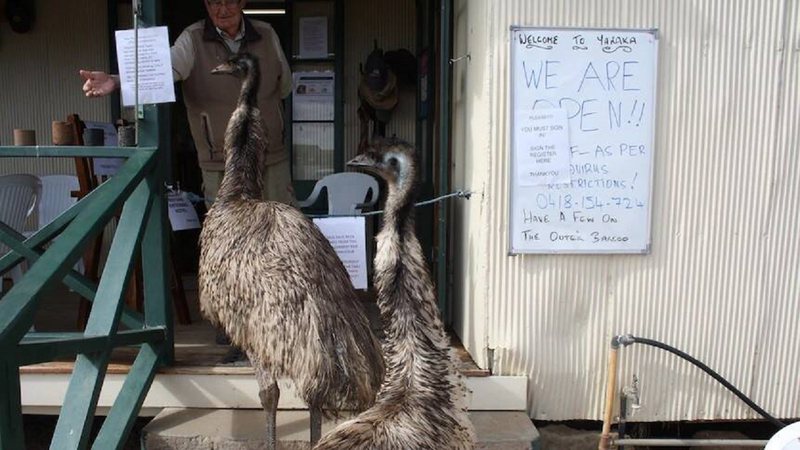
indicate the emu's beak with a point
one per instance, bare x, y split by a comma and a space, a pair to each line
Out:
222, 69
362, 161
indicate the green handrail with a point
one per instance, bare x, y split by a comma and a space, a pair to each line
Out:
138, 188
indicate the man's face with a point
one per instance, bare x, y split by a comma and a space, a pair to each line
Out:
226, 14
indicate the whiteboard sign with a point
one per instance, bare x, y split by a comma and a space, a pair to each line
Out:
604, 82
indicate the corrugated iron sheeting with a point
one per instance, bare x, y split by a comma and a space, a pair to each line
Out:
392, 24
39, 76
721, 282
776, 375
40, 81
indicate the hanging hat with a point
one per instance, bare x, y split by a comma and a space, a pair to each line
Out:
376, 70
20, 14
383, 101
404, 64
378, 86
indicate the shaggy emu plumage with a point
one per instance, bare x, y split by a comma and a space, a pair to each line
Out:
422, 401
273, 282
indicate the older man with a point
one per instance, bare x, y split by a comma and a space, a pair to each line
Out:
210, 99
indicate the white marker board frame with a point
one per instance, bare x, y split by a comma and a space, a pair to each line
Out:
606, 80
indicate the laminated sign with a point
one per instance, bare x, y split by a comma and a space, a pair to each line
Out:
182, 215
582, 127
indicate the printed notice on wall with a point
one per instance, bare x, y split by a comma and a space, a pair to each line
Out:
582, 109
154, 66
313, 37
542, 149
182, 215
313, 97
347, 236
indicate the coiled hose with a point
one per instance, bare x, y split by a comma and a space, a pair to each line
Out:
629, 339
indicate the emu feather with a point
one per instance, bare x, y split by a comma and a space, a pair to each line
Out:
272, 281
422, 401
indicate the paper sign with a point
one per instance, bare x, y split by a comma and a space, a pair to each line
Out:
182, 215
313, 37
347, 235
542, 147
313, 95
155, 66
106, 166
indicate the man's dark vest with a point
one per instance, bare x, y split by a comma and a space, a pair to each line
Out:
211, 99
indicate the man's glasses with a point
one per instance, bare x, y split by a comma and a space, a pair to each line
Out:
219, 3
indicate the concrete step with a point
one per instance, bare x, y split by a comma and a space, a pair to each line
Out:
243, 429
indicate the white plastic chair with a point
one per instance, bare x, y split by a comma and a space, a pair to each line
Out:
788, 438
57, 198
19, 197
348, 193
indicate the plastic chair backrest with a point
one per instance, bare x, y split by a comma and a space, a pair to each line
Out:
19, 197
348, 192
56, 196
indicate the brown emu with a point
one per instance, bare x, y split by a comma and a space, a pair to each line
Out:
422, 401
272, 281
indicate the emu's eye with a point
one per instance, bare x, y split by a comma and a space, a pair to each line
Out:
393, 162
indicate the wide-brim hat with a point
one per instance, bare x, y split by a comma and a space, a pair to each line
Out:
21, 15
382, 101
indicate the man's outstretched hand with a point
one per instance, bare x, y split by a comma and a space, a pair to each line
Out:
98, 84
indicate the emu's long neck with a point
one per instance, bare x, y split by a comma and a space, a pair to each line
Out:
245, 145
416, 349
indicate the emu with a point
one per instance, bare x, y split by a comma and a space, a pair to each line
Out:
273, 282
422, 401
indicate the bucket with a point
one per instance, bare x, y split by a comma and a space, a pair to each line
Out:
127, 136
24, 137
62, 133
93, 137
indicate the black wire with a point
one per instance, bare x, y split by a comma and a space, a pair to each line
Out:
713, 374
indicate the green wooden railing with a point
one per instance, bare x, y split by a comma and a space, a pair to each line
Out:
139, 189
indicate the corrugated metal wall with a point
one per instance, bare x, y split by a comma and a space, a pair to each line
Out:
39, 76
393, 25
721, 282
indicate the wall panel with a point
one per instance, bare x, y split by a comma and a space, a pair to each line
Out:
721, 281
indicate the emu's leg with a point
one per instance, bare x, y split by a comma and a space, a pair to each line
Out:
269, 394
316, 424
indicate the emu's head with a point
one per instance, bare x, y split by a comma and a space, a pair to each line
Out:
239, 65
391, 159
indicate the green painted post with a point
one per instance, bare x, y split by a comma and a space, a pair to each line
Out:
11, 434
442, 279
154, 131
